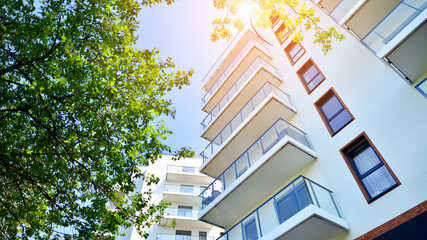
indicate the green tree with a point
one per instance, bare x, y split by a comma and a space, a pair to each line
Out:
78, 112
295, 17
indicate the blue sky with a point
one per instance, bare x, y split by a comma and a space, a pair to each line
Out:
182, 31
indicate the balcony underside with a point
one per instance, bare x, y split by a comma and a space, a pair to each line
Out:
234, 76
238, 102
264, 116
184, 222
311, 223
271, 171
188, 178
190, 199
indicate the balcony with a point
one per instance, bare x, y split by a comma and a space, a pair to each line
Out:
235, 68
165, 236
301, 210
403, 14
256, 75
184, 217
341, 10
176, 173
181, 193
263, 109
271, 160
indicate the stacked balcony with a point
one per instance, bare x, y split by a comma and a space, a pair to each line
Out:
394, 30
177, 173
301, 210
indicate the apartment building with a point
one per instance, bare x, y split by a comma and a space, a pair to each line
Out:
308, 146
180, 183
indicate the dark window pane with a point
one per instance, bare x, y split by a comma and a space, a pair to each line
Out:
287, 206
340, 121
316, 81
298, 55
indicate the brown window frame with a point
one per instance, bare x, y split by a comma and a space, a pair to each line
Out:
325, 97
288, 48
360, 139
274, 19
304, 69
282, 28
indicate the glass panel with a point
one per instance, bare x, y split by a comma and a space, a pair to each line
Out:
226, 132
340, 120
236, 121
331, 107
188, 169
286, 204
378, 181
186, 189
342, 8
365, 159
295, 49
250, 228
310, 73
229, 176
255, 152
268, 217
184, 211
235, 233
323, 199
242, 164
298, 55
269, 138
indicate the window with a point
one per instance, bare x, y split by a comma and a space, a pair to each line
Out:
186, 188
282, 33
182, 235
368, 167
291, 200
274, 19
185, 211
203, 235
294, 51
333, 112
187, 169
310, 76
250, 229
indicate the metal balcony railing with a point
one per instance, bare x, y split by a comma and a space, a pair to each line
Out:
259, 148
343, 7
186, 189
181, 169
267, 90
393, 23
293, 198
164, 236
230, 68
246, 76
181, 212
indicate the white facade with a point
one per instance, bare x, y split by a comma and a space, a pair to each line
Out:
375, 83
180, 183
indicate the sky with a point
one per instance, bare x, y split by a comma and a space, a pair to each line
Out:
182, 31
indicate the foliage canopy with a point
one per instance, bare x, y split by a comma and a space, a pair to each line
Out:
78, 109
294, 15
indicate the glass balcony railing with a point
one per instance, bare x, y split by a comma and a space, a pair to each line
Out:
265, 91
230, 68
221, 58
181, 169
283, 205
342, 9
181, 212
393, 23
246, 76
164, 236
259, 148
186, 189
